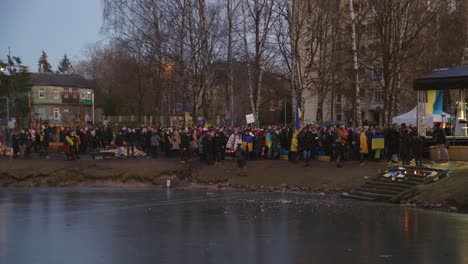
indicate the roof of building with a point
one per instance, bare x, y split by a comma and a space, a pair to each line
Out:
60, 79
443, 79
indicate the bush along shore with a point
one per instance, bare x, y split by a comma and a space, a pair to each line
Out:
449, 194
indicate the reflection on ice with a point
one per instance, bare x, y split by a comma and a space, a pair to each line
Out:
173, 226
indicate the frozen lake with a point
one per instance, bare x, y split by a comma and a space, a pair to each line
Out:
48, 226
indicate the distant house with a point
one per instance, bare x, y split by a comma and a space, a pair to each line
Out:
62, 99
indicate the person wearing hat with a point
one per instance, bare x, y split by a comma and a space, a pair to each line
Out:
364, 145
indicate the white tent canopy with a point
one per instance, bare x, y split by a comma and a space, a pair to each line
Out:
410, 118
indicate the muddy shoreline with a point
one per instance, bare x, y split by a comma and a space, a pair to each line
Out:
264, 176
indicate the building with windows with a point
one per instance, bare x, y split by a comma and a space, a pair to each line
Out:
330, 93
62, 99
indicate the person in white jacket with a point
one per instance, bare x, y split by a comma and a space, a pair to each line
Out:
238, 140
230, 143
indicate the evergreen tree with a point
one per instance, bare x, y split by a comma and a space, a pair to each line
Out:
43, 65
65, 65
14, 78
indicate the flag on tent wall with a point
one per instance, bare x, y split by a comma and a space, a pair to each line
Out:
298, 116
438, 103
434, 102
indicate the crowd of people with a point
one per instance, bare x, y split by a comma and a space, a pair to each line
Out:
398, 143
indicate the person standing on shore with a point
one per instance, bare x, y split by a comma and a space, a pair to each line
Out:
392, 143
417, 147
440, 142
307, 145
155, 139
259, 144
218, 144
167, 142
340, 142
119, 140
405, 145
364, 146
16, 144
241, 160
248, 140
294, 146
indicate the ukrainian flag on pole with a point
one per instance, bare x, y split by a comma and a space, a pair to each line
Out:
298, 116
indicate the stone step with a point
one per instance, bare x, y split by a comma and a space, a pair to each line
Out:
387, 189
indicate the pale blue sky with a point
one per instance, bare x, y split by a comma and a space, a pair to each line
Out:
55, 26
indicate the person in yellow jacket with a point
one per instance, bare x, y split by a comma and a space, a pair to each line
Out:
364, 146
294, 146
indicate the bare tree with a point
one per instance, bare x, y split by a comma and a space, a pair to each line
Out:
257, 22
231, 10
289, 31
398, 30
136, 24
324, 66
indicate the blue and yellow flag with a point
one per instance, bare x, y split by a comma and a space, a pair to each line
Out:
298, 116
434, 102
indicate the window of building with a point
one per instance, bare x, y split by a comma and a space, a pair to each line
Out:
338, 98
88, 95
56, 94
75, 94
82, 95
376, 74
56, 112
339, 117
66, 93
376, 95
41, 93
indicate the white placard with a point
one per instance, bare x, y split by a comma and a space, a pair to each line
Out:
250, 118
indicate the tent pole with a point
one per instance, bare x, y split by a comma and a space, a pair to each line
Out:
420, 117
417, 112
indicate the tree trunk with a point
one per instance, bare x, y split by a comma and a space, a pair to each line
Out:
193, 86
247, 56
230, 80
357, 95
